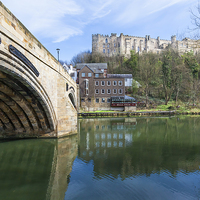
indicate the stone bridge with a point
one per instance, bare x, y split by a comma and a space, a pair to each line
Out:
38, 98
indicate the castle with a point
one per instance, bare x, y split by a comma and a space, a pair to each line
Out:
122, 45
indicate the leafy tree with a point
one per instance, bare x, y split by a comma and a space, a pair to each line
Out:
171, 73
148, 72
192, 64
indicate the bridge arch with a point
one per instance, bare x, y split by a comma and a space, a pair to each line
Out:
25, 108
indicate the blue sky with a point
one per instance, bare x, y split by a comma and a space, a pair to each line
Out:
69, 24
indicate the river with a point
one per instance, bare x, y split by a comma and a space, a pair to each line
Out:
110, 158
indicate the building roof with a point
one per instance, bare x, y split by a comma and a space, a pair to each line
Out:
119, 76
96, 66
93, 69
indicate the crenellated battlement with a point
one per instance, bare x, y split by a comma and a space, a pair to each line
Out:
123, 44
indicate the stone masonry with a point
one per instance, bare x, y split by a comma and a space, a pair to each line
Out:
42, 104
122, 45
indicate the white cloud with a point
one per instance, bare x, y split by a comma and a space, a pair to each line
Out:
58, 19
61, 19
137, 9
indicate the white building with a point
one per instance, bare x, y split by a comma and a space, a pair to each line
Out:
71, 70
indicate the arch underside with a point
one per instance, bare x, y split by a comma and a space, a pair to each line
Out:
23, 112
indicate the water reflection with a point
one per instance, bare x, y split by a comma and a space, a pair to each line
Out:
134, 152
36, 169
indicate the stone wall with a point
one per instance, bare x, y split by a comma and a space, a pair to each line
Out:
122, 45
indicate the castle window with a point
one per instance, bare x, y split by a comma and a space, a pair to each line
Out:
106, 40
104, 51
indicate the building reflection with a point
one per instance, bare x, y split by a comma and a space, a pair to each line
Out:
132, 147
103, 134
36, 169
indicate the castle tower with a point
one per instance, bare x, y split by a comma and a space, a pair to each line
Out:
95, 43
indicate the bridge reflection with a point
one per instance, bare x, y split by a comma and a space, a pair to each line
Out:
36, 169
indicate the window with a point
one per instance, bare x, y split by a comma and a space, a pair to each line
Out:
103, 100
114, 50
83, 74
120, 83
97, 100
108, 100
108, 91
108, 50
120, 91
114, 82
132, 47
108, 83
108, 45
82, 100
118, 44
114, 91
104, 51
86, 84
96, 83
96, 75
106, 40
96, 91
102, 83
104, 46
138, 49
89, 74
114, 45
89, 99
102, 91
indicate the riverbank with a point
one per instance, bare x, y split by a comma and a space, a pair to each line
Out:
137, 113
